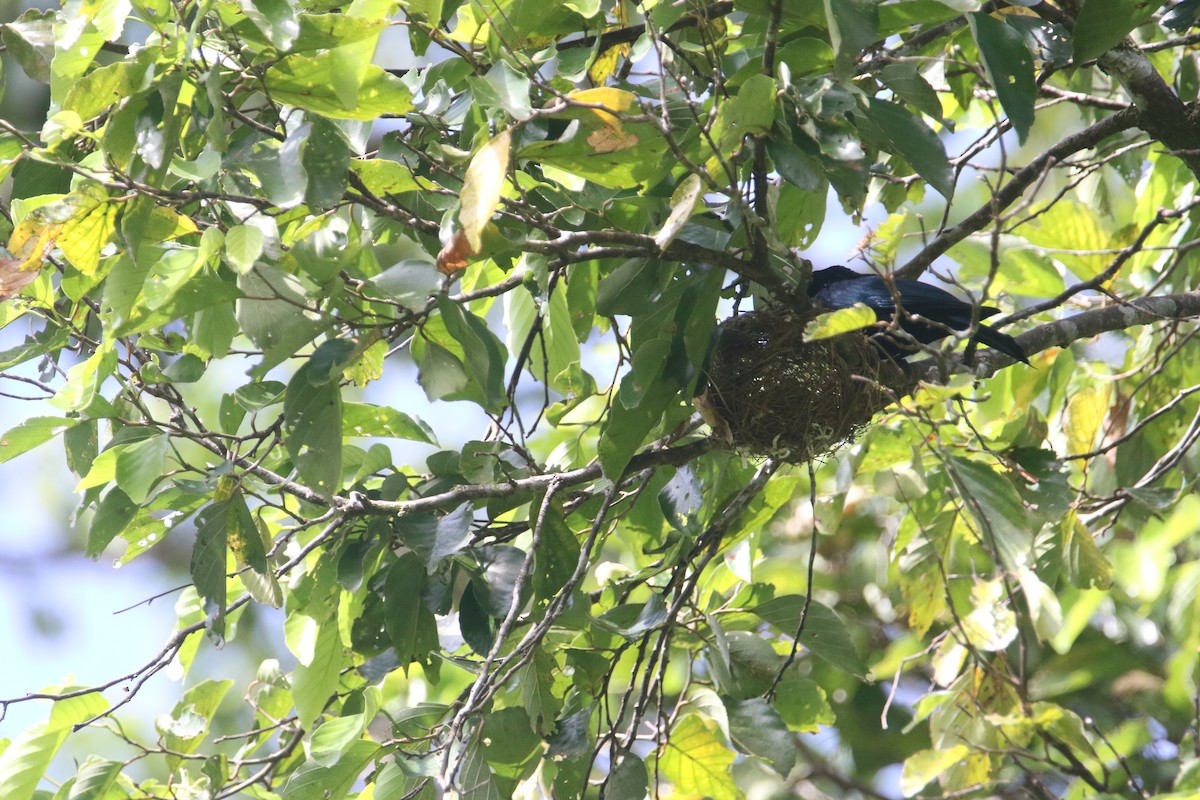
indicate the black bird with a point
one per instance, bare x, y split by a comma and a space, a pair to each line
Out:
940, 312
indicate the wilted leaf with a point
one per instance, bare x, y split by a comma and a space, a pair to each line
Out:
482, 187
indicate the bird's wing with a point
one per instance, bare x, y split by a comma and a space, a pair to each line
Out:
937, 304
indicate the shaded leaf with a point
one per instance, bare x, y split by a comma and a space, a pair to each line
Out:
313, 430
1102, 24
758, 729
1009, 67
912, 138
824, 634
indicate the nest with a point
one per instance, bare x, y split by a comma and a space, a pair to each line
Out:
771, 393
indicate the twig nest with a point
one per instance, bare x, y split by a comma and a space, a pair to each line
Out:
771, 393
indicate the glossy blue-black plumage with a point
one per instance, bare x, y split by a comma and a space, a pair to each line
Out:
939, 312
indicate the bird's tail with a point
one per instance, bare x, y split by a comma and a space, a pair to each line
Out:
1002, 342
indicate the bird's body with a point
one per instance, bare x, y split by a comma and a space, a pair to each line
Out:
928, 313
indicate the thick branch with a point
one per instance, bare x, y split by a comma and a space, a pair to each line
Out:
1163, 114
632, 33
1080, 326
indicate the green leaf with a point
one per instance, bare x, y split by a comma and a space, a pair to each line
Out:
94, 778
496, 579
314, 781
905, 80
384, 177
243, 246
537, 690
1009, 67
208, 563
696, 762
69, 712
631, 288
141, 465
314, 682
572, 737
276, 19
909, 136
325, 156
102, 88
409, 624
337, 84
432, 537
682, 499
188, 368
835, 323
751, 111
631, 620
475, 775
628, 779
925, 766
1086, 565
505, 89
313, 430
33, 347
364, 419
260, 394
245, 539
557, 553
184, 731
759, 730
803, 705
82, 445
604, 150
805, 56
628, 428
485, 356
824, 633
334, 736
554, 356
853, 25
114, 512
476, 627
999, 515
31, 433
26, 760
1102, 24
507, 738
29, 39
326, 31
272, 314
684, 200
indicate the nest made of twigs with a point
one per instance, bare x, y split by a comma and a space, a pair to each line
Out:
771, 393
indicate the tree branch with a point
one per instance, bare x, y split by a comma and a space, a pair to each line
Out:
1084, 325
1024, 178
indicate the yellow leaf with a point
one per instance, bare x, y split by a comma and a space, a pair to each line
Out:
82, 239
614, 101
1072, 232
167, 224
482, 186
1085, 414
606, 63
683, 202
696, 762
926, 596
923, 767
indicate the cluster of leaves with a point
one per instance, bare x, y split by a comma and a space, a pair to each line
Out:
589, 596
